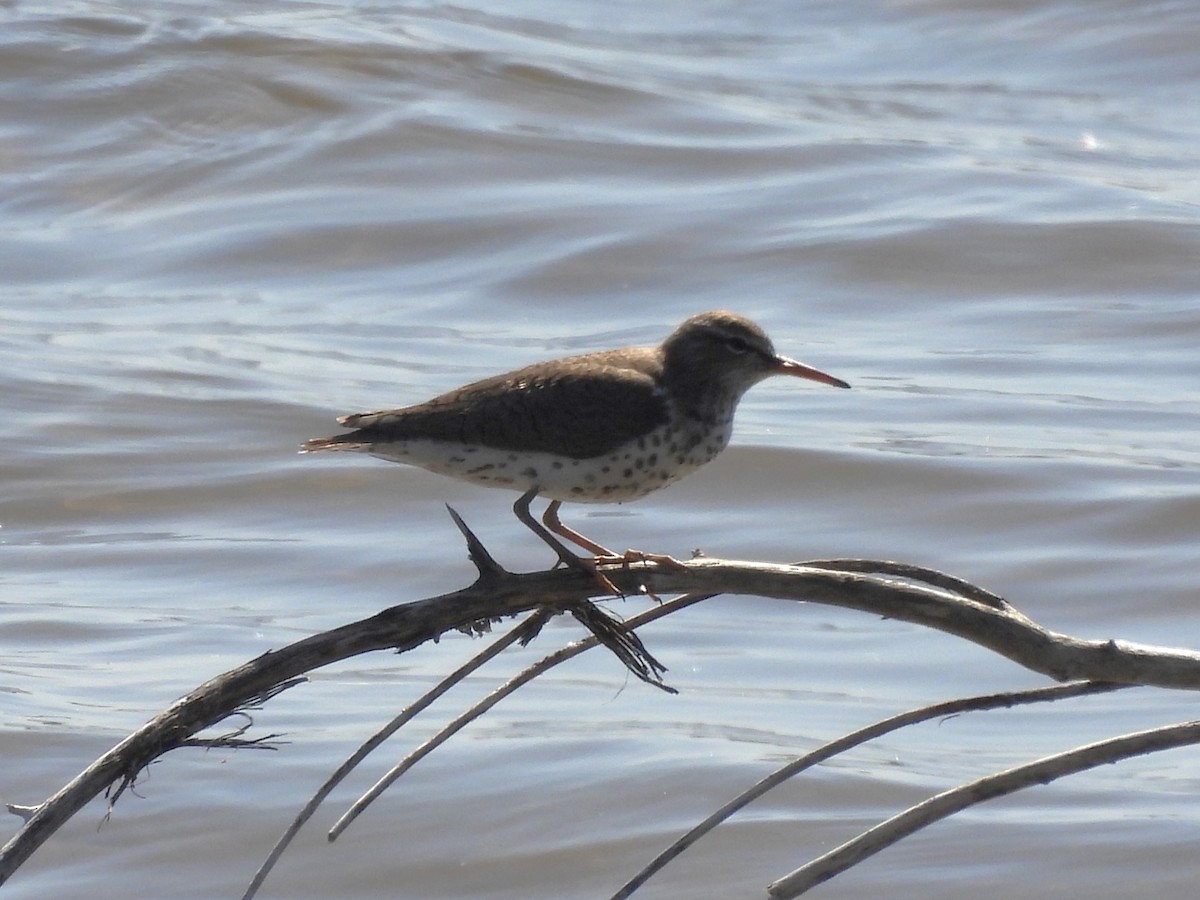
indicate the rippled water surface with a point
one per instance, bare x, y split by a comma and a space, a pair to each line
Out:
221, 231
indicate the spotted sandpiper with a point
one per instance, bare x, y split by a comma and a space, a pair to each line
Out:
601, 427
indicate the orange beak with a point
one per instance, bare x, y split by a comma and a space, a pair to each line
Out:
785, 366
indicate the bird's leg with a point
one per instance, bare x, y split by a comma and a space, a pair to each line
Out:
554, 523
565, 556
521, 510
609, 631
604, 556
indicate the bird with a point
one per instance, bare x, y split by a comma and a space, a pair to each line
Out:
602, 427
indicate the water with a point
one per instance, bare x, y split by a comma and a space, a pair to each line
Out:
222, 231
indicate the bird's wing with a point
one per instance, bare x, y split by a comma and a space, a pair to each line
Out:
577, 413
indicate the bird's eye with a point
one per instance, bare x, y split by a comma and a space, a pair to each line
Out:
737, 345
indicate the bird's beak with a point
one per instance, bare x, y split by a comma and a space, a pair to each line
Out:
785, 366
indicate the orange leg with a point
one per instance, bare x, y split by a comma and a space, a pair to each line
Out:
554, 523
565, 556
604, 556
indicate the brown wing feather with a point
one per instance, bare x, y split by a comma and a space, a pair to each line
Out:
581, 410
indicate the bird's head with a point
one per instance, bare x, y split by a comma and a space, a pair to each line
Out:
723, 354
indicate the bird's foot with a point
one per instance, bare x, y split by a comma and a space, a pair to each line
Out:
640, 556
601, 555
593, 566
670, 562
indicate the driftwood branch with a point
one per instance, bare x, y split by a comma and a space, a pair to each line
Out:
519, 634
888, 589
848, 742
524, 632
1041, 771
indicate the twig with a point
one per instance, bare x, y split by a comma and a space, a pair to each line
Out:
1041, 771
921, 574
504, 690
520, 633
1003, 630
847, 742
622, 642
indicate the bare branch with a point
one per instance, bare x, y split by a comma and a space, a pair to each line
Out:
474, 712
884, 588
1002, 630
848, 742
1042, 771
520, 634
